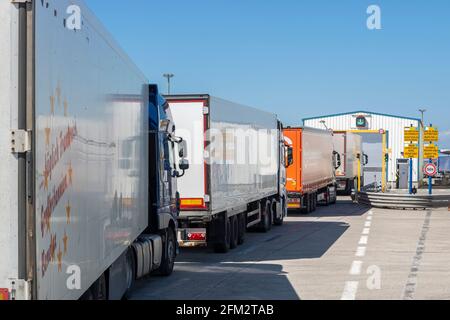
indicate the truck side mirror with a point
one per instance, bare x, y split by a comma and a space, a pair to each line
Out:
365, 160
182, 153
184, 165
290, 157
337, 160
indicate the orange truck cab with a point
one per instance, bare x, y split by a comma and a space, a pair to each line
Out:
311, 178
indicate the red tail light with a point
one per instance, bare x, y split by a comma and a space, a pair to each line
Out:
196, 236
4, 294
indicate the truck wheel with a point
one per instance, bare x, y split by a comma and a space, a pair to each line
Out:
234, 223
266, 222
327, 197
169, 255
242, 229
88, 295
333, 196
304, 204
97, 291
279, 221
100, 289
130, 273
223, 245
308, 203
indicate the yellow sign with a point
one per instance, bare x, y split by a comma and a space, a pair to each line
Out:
431, 135
411, 151
431, 151
411, 134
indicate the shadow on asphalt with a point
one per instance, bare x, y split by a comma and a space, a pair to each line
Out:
295, 240
251, 272
343, 208
225, 281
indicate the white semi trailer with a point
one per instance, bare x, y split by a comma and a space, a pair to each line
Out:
237, 178
350, 148
88, 195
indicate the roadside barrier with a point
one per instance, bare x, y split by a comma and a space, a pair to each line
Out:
403, 201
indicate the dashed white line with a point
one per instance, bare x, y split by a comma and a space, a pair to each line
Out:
364, 240
351, 287
361, 252
350, 290
356, 268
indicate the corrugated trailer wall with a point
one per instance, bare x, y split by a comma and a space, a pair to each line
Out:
394, 127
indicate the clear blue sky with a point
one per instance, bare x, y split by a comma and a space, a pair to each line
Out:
296, 58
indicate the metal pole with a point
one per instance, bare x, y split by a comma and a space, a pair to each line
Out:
430, 182
168, 76
410, 176
168, 85
359, 174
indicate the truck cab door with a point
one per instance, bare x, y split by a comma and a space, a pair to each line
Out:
168, 181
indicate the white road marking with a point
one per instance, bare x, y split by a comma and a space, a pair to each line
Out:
364, 240
356, 268
351, 287
361, 252
350, 290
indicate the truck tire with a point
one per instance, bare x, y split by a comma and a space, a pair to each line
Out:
130, 273
242, 229
97, 291
234, 223
333, 196
100, 292
169, 255
266, 221
308, 203
88, 295
326, 203
279, 221
223, 245
304, 204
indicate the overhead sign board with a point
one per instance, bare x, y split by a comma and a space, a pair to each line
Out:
431, 135
411, 134
431, 151
411, 151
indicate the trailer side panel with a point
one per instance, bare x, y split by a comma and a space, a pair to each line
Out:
91, 142
244, 155
317, 168
9, 165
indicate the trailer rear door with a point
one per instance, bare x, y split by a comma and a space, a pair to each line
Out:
191, 122
373, 147
340, 146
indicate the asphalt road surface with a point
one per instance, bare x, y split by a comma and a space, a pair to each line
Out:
344, 252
